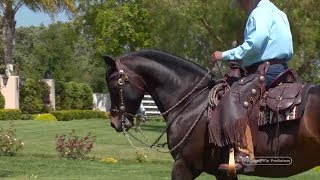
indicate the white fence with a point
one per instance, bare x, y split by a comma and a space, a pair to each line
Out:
150, 106
102, 102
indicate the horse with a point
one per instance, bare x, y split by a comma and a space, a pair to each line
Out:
180, 90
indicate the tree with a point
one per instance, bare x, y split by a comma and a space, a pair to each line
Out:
8, 10
116, 26
304, 18
60, 48
195, 28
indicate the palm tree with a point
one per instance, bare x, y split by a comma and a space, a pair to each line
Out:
8, 10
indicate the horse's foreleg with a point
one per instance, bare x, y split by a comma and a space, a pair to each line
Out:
181, 171
226, 177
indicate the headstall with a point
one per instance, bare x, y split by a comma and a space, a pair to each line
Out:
125, 75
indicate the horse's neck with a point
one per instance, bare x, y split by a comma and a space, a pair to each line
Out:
167, 83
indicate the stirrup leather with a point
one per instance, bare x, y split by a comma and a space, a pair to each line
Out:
232, 163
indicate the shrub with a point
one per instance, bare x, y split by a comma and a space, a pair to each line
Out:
9, 144
71, 146
30, 98
69, 115
10, 114
89, 114
45, 92
35, 97
66, 103
2, 101
45, 96
73, 96
45, 117
76, 102
63, 115
86, 96
26, 117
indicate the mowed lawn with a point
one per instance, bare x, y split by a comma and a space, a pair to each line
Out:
38, 159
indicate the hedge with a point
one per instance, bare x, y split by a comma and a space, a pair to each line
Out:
68, 115
10, 114
27, 117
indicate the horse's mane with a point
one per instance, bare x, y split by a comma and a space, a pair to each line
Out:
165, 56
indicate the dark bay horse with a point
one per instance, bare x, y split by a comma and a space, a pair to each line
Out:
180, 90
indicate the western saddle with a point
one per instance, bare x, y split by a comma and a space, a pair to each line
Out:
279, 102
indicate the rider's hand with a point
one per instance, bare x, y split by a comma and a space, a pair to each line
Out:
217, 56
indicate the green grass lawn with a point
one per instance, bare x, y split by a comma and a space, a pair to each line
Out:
38, 159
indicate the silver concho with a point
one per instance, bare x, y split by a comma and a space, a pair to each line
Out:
122, 108
246, 105
254, 92
120, 81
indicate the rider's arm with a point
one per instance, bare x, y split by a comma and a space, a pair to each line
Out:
256, 34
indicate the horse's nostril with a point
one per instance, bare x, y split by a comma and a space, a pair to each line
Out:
112, 125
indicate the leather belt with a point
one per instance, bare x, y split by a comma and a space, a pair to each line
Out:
253, 68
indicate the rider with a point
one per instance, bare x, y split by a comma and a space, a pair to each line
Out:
267, 37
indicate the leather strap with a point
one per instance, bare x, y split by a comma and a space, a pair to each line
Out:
133, 78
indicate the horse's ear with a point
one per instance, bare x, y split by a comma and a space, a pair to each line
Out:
109, 60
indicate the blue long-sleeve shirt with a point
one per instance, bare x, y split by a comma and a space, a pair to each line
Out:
267, 36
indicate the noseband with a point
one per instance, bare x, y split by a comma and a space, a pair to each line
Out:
125, 75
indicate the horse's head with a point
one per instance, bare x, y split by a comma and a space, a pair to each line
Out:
126, 92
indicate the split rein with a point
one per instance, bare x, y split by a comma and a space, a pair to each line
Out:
123, 77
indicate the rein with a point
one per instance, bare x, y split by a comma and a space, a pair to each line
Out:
181, 110
124, 74
185, 97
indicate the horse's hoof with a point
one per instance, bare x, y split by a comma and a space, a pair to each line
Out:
239, 168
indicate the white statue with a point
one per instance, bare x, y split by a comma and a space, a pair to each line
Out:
9, 69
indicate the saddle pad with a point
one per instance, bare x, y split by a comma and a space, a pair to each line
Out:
284, 96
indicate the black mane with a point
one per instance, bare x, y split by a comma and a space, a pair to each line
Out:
165, 56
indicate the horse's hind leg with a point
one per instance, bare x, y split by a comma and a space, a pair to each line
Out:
181, 171
311, 123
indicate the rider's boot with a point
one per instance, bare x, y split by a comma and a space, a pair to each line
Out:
243, 161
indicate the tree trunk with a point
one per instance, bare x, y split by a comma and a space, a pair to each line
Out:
8, 30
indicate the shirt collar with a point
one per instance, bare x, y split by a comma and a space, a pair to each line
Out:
263, 2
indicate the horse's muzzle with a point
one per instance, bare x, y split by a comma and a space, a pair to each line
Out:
121, 125
126, 123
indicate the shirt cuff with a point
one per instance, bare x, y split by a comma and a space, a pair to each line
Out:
225, 55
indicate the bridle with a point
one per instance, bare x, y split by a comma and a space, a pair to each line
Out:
125, 75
